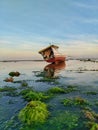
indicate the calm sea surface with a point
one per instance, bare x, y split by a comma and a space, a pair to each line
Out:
72, 72
78, 73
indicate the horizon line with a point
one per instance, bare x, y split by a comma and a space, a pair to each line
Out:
70, 58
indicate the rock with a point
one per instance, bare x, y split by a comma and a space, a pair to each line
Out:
9, 79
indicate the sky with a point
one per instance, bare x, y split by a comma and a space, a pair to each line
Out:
27, 26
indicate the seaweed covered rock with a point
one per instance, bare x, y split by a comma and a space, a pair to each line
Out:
10, 79
14, 74
34, 112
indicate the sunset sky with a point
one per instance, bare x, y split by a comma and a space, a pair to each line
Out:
26, 26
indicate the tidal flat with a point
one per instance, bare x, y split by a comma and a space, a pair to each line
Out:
47, 96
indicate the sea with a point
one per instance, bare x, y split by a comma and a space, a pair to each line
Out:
41, 76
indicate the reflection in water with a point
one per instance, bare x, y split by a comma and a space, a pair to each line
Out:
51, 70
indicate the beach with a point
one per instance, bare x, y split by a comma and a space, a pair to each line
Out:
68, 89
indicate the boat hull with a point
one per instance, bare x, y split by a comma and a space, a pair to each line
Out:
56, 59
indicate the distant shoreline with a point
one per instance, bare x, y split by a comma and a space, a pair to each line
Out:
19, 60
81, 59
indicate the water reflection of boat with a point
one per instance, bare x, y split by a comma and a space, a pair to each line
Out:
52, 70
51, 54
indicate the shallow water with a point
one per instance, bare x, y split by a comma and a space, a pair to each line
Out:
73, 72
82, 74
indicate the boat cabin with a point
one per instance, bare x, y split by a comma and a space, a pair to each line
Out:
51, 54
48, 52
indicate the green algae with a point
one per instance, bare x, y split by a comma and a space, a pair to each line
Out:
34, 112
12, 124
30, 95
91, 93
48, 80
56, 90
24, 84
12, 94
80, 101
70, 89
25, 91
94, 126
77, 101
64, 121
35, 96
7, 89
96, 103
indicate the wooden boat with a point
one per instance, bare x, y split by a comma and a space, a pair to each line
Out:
51, 54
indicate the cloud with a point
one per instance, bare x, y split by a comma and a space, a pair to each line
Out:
86, 5
73, 44
80, 49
